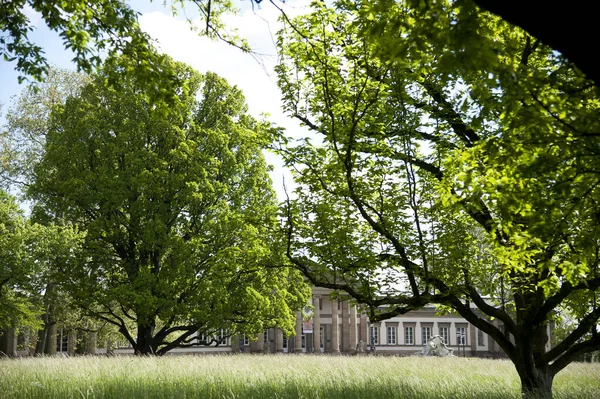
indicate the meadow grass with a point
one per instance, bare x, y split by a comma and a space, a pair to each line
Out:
278, 376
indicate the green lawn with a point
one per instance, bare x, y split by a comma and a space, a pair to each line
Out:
278, 376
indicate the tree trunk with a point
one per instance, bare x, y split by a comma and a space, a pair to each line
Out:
145, 340
50, 347
536, 383
40, 347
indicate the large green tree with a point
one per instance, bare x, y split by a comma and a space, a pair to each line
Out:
178, 209
22, 143
446, 167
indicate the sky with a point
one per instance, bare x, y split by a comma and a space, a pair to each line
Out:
253, 75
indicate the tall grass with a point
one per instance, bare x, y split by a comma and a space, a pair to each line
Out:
278, 376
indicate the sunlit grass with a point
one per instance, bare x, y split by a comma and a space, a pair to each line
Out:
278, 376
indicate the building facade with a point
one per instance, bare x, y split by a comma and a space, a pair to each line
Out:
338, 327
330, 326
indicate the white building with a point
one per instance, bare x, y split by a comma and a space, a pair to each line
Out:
341, 327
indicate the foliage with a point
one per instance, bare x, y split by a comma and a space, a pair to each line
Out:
27, 252
177, 206
23, 136
88, 29
15, 309
452, 159
96, 31
253, 376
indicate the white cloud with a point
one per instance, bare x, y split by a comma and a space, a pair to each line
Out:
34, 16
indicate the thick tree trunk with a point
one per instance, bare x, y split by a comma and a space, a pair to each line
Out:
50, 347
536, 383
536, 378
41, 341
145, 340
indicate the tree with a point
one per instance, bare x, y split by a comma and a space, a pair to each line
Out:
28, 252
575, 24
16, 308
90, 28
178, 210
86, 28
95, 31
22, 141
448, 169
23, 136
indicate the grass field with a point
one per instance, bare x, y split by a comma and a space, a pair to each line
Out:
278, 376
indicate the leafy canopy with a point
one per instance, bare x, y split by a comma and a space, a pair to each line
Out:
451, 159
178, 209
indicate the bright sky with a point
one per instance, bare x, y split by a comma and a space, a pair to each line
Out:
256, 78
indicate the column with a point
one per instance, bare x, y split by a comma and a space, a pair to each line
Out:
400, 338
8, 342
298, 339
278, 340
364, 328
352, 334
345, 330
256, 345
91, 343
492, 346
382, 334
335, 340
473, 337
235, 343
71, 342
317, 325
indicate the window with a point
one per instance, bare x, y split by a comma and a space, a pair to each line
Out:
246, 340
461, 337
426, 334
391, 335
202, 339
374, 336
303, 341
223, 336
480, 338
409, 337
285, 342
62, 341
321, 337
266, 337
444, 333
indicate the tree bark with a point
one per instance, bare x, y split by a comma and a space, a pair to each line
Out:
40, 347
145, 340
536, 383
50, 348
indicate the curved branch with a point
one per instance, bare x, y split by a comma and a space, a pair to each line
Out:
565, 349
